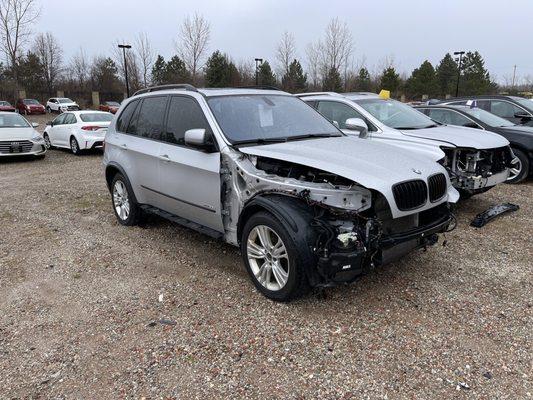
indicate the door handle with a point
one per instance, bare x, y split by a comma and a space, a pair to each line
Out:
124, 146
164, 157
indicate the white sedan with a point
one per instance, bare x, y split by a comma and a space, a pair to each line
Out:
19, 138
78, 130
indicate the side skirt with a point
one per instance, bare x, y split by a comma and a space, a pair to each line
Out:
182, 221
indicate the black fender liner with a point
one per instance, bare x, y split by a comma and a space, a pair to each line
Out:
297, 215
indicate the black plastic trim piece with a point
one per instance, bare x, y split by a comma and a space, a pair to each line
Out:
180, 200
486, 216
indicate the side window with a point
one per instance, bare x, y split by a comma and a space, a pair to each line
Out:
503, 109
60, 120
184, 113
125, 116
449, 117
69, 119
340, 112
150, 121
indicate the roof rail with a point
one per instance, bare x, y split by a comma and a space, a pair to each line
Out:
181, 86
260, 87
318, 94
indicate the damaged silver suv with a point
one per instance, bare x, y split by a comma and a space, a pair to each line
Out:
262, 170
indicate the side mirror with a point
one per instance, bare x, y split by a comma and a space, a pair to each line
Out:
357, 124
522, 115
50, 123
198, 138
34, 124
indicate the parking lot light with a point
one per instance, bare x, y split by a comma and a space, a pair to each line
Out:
124, 47
460, 54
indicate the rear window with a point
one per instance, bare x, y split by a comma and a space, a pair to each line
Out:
96, 117
30, 101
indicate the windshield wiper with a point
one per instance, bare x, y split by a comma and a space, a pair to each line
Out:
412, 128
260, 141
313, 135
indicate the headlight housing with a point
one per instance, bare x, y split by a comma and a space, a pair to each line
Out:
37, 138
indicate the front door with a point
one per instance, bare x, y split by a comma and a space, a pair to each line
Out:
189, 178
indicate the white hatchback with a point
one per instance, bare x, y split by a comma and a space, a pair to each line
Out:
78, 130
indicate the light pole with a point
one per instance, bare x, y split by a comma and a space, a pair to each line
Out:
124, 47
460, 54
258, 62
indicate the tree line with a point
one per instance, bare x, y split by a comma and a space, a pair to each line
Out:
36, 64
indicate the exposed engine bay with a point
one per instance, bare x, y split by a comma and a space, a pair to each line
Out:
352, 226
473, 170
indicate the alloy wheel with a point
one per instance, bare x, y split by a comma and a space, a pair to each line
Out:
515, 170
74, 146
47, 142
268, 257
121, 200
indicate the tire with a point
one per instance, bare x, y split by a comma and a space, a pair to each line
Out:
522, 171
48, 110
74, 146
47, 141
122, 194
290, 280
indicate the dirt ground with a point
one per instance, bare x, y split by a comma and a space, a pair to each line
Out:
91, 309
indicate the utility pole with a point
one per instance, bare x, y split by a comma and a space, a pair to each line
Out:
514, 76
124, 47
258, 62
460, 54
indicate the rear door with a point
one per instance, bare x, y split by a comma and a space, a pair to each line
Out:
136, 137
189, 178
54, 132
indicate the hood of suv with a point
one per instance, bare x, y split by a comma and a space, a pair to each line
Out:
460, 137
371, 164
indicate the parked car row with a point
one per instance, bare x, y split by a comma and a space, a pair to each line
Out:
54, 104
315, 189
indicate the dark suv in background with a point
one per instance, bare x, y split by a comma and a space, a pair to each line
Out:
516, 109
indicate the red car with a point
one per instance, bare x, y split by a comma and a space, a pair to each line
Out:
109, 106
29, 106
6, 106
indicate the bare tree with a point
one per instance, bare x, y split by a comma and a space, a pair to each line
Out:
285, 52
16, 18
338, 44
192, 43
146, 55
50, 54
80, 68
313, 52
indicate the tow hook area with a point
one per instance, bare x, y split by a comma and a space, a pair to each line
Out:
488, 215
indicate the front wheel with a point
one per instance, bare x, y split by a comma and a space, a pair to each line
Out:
48, 110
47, 141
126, 209
520, 170
272, 258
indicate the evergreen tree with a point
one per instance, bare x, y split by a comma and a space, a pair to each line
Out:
158, 71
363, 82
265, 75
217, 70
176, 71
475, 79
30, 73
295, 81
104, 74
390, 80
447, 71
423, 81
235, 78
332, 81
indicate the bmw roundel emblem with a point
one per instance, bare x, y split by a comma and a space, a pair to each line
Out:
416, 171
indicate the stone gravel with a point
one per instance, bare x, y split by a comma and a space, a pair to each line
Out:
91, 309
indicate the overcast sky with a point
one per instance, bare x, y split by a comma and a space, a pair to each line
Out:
408, 30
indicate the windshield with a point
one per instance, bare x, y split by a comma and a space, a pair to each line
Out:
487, 117
65, 100
13, 121
257, 118
30, 101
96, 117
524, 102
4, 104
395, 114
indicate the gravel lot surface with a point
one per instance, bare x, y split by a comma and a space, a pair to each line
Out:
91, 309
